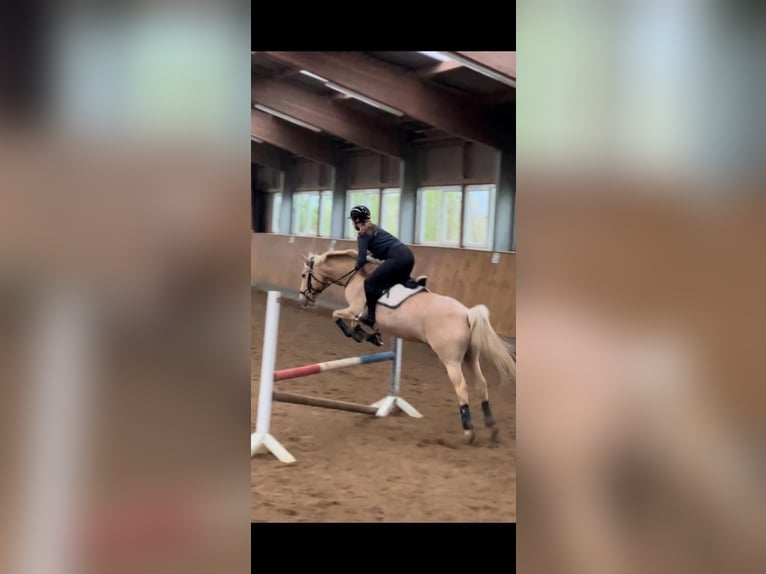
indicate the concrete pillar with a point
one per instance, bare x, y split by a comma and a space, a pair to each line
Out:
288, 188
339, 207
505, 204
408, 183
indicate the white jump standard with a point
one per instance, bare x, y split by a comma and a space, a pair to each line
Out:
261, 437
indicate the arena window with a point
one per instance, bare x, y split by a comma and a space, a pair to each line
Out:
478, 216
312, 212
325, 213
383, 204
368, 197
456, 216
439, 215
276, 208
389, 217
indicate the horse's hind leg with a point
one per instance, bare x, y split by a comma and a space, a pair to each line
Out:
473, 373
455, 373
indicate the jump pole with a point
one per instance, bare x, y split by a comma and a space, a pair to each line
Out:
382, 408
324, 403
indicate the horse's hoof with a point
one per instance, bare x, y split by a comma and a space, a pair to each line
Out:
359, 335
470, 435
494, 436
376, 339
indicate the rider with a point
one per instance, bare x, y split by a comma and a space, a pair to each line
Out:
398, 259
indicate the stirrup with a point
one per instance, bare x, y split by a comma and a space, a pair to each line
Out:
421, 280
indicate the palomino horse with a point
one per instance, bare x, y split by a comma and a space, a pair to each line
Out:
458, 335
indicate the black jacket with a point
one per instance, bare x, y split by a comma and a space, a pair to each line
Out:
378, 242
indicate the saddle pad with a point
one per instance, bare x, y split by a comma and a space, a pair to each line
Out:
397, 295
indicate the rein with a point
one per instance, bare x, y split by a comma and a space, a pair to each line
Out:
311, 293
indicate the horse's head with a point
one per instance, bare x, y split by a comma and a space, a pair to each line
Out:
321, 271
312, 282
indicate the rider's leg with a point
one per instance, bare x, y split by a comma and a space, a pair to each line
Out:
371, 293
392, 271
379, 280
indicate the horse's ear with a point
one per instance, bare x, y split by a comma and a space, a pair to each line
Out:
305, 258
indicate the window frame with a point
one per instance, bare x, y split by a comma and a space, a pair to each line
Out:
321, 194
276, 214
461, 243
489, 245
419, 227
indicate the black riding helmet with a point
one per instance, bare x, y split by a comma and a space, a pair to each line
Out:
359, 213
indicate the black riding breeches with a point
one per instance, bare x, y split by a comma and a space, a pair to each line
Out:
396, 269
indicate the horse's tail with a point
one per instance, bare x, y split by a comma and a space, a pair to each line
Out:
485, 340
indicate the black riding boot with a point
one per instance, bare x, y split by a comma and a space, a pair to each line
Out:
369, 318
372, 301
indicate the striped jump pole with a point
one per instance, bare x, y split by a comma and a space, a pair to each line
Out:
296, 372
261, 438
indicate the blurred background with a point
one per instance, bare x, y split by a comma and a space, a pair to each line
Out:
640, 311
124, 287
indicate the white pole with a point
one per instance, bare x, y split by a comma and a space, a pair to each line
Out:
387, 405
61, 387
397, 370
261, 437
268, 360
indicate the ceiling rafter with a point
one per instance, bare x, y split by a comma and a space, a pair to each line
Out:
298, 141
421, 100
328, 115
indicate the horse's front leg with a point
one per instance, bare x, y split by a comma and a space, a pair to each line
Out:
341, 316
346, 314
358, 333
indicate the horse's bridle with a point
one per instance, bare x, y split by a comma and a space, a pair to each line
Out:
311, 294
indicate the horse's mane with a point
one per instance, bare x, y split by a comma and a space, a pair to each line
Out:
321, 258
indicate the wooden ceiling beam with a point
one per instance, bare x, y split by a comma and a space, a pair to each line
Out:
414, 97
328, 115
291, 138
501, 64
267, 155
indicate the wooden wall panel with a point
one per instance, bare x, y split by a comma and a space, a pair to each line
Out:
325, 176
469, 276
437, 164
391, 172
364, 170
482, 162
268, 177
275, 180
441, 164
308, 175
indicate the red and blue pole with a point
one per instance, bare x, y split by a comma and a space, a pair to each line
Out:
306, 370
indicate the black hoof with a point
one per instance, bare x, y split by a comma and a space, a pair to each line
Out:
343, 327
376, 339
359, 335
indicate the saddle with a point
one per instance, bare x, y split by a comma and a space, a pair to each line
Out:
399, 293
